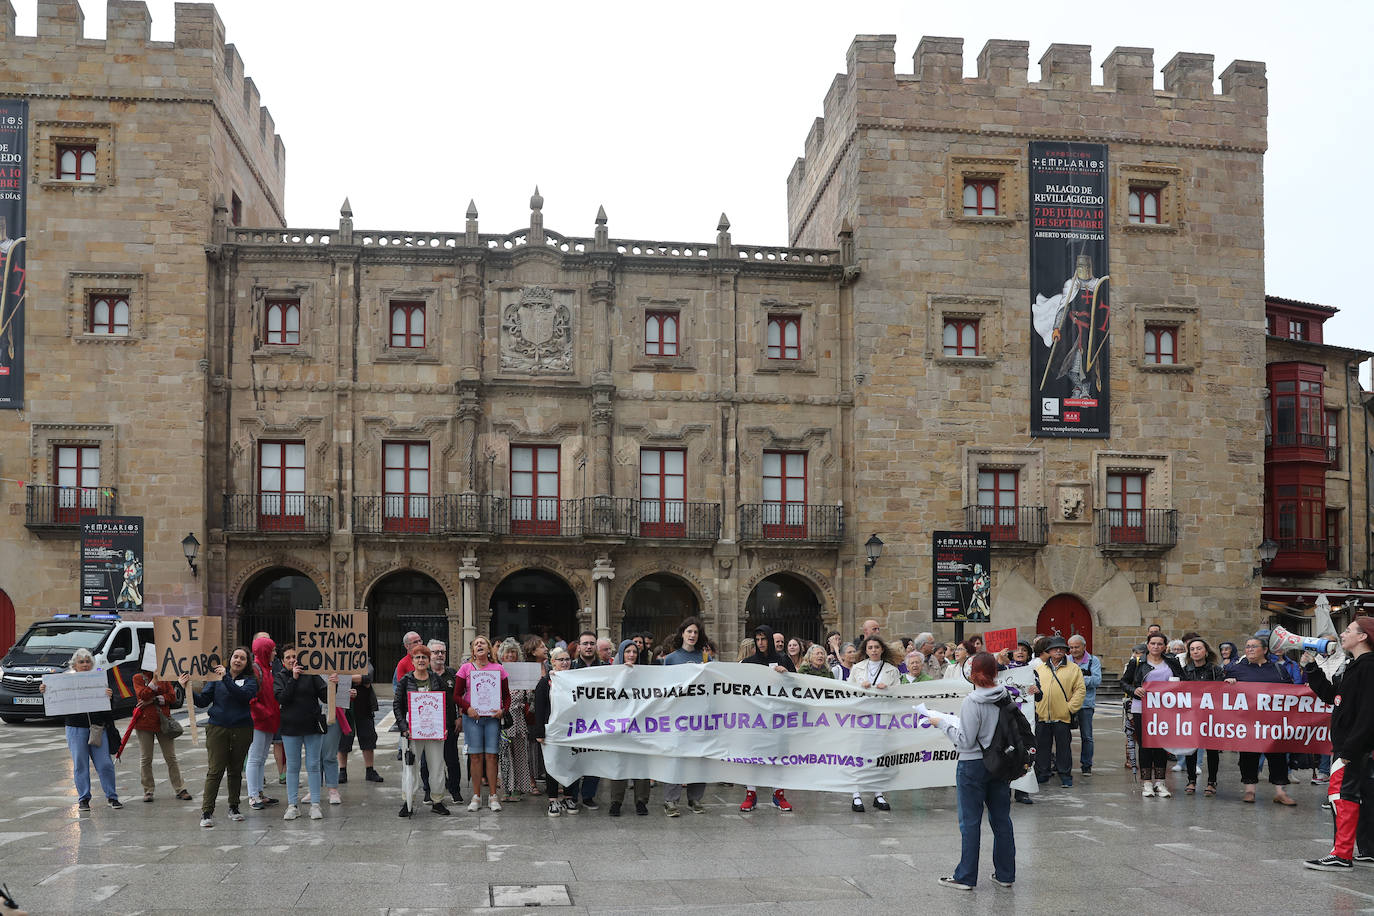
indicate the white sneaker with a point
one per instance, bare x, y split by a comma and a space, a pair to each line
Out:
493, 804
1147, 790
291, 813
334, 798
1161, 790
207, 821
475, 803
1178, 767
315, 813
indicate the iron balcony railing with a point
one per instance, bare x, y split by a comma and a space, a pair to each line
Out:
1009, 525
272, 513
791, 522
65, 507
1146, 529
400, 514
531, 516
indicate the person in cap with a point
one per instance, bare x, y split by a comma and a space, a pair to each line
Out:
1061, 694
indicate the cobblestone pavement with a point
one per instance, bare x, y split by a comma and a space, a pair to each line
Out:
1095, 848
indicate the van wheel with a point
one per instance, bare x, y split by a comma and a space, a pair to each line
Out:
11, 720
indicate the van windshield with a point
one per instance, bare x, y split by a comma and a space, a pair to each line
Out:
61, 637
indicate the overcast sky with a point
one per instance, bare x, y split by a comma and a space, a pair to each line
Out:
670, 113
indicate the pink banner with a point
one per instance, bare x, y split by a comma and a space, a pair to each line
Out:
1235, 717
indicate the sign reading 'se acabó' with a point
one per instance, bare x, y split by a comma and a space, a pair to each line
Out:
189, 645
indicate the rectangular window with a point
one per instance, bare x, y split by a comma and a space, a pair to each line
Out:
1333, 438
660, 334
1161, 345
784, 337
76, 469
998, 493
1333, 538
76, 162
283, 322
535, 503
281, 486
1297, 329
784, 494
405, 487
1143, 206
1300, 417
235, 209
980, 197
1126, 508
662, 492
107, 313
408, 325
961, 337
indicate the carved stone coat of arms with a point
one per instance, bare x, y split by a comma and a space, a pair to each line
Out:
536, 333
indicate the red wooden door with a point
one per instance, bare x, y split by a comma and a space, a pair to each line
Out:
6, 623
1065, 615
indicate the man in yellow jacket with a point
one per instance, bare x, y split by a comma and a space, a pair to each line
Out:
1062, 692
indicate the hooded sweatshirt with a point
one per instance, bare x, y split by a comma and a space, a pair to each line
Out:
266, 713
772, 656
977, 722
620, 653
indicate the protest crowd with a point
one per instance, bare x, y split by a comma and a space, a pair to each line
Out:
264, 703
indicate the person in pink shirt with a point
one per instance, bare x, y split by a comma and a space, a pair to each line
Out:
482, 726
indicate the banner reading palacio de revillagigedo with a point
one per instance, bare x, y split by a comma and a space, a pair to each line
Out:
1070, 337
14, 168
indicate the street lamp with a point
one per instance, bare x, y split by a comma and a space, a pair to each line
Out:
874, 546
190, 547
1268, 549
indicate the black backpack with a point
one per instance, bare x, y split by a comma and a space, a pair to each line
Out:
1011, 752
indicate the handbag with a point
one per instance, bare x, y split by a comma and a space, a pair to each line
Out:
96, 732
321, 724
167, 726
1073, 716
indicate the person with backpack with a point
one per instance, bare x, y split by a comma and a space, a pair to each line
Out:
993, 748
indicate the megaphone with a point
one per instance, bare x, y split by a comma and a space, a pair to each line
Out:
1281, 641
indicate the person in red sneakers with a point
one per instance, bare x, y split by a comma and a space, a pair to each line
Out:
766, 653
1352, 741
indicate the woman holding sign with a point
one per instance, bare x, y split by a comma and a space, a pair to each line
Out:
302, 730
484, 696
878, 671
423, 723
156, 699
88, 743
229, 734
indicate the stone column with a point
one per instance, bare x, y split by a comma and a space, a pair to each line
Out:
602, 574
468, 574
469, 410
602, 414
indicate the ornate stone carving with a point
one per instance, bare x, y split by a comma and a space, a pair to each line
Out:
536, 333
1071, 503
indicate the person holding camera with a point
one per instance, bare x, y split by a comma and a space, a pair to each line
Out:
229, 734
300, 696
156, 699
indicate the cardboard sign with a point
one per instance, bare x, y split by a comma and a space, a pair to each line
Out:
425, 715
523, 675
332, 642
189, 645
75, 691
997, 640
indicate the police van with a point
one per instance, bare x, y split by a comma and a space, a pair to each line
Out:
47, 648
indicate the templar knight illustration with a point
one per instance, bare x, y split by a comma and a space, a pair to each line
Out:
1074, 325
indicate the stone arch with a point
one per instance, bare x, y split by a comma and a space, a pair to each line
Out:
819, 582
409, 564
265, 562
487, 584
700, 593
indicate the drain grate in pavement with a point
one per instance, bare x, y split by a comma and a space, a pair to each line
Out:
523, 895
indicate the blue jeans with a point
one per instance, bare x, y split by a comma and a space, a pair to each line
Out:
329, 756
975, 790
257, 760
1085, 734
294, 744
83, 755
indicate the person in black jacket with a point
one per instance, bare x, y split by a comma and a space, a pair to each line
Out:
1202, 666
767, 654
1156, 665
300, 696
79, 728
1256, 667
559, 660
1351, 789
229, 733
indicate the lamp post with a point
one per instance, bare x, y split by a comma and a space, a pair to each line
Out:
874, 547
1268, 549
190, 547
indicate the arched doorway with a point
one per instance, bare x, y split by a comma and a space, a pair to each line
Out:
1065, 615
270, 602
787, 604
657, 604
533, 601
6, 623
399, 603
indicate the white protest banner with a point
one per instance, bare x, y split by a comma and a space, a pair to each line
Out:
484, 691
75, 691
522, 675
748, 724
425, 715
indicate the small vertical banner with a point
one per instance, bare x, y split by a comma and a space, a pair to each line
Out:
111, 563
1070, 341
14, 180
963, 576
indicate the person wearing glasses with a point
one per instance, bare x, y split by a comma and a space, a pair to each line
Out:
561, 798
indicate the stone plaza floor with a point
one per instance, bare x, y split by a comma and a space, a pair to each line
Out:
1095, 848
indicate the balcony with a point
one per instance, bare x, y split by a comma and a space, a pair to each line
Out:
486, 515
1013, 528
1300, 557
409, 515
791, 523
1139, 532
59, 511
1288, 447
277, 513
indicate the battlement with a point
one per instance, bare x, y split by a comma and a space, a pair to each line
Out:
196, 65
